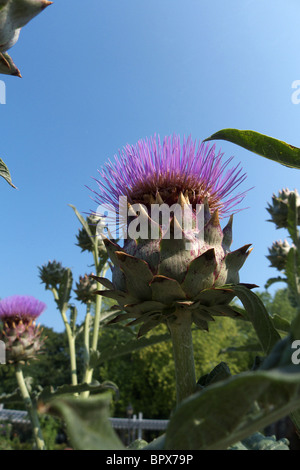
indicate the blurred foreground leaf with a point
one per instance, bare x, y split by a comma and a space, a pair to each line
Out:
223, 414
87, 422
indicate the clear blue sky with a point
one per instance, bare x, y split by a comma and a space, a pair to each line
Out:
98, 75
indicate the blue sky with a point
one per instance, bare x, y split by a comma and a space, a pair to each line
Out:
98, 75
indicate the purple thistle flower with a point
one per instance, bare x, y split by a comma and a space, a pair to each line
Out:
23, 307
171, 276
22, 337
150, 167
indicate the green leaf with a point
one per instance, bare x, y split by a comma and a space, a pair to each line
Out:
156, 444
13, 397
4, 172
258, 441
223, 414
220, 372
49, 392
272, 280
87, 422
280, 323
82, 221
138, 444
259, 317
261, 144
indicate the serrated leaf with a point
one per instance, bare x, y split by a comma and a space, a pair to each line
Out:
4, 172
262, 145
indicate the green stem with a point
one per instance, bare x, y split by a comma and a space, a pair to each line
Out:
98, 307
87, 323
37, 433
71, 342
181, 334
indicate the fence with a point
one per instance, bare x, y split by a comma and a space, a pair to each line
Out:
131, 427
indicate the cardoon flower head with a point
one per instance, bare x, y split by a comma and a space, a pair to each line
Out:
171, 265
150, 168
19, 332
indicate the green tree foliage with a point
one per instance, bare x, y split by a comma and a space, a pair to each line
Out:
146, 377
278, 304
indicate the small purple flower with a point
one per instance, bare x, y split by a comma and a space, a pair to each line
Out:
19, 332
150, 167
24, 307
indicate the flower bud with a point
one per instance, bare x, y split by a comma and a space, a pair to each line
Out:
52, 274
86, 289
278, 254
280, 206
85, 242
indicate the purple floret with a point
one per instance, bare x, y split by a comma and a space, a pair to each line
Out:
21, 306
167, 167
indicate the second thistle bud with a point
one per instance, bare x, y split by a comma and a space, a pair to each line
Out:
52, 274
86, 289
279, 207
87, 242
278, 254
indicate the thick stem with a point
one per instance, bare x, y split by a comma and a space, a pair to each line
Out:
181, 334
37, 433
